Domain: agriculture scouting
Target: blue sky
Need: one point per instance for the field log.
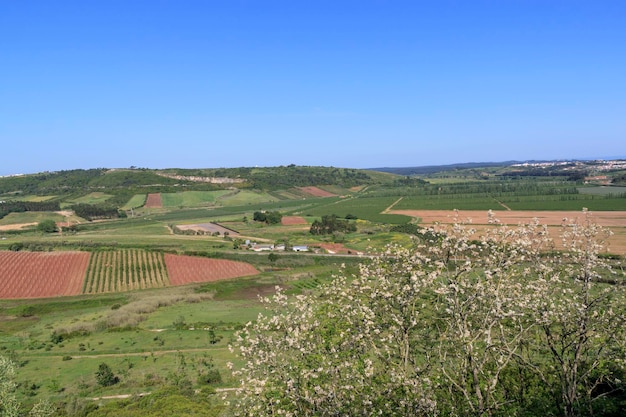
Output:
(86, 84)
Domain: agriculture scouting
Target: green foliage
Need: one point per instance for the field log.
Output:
(105, 376)
(330, 224)
(92, 212)
(7, 207)
(47, 226)
(269, 217)
(9, 404)
(165, 402)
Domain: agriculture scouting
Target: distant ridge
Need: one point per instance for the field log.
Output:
(431, 169)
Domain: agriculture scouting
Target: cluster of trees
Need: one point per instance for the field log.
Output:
(49, 182)
(91, 212)
(330, 224)
(269, 217)
(7, 207)
(298, 176)
(619, 179)
(453, 326)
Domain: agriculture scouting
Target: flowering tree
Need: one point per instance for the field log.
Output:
(9, 405)
(581, 322)
(456, 325)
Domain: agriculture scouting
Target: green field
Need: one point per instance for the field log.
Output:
(92, 198)
(136, 201)
(191, 198)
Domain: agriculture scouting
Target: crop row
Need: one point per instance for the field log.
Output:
(125, 270)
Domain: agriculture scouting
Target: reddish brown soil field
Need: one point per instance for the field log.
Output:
(208, 228)
(292, 220)
(550, 218)
(335, 248)
(316, 192)
(613, 220)
(187, 269)
(41, 274)
(153, 201)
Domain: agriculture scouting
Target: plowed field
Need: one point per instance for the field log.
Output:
(41, 274)
(614, 220)
(316, 192)
(51, 274)
(154, 201)
(187, 269)
(292, 220)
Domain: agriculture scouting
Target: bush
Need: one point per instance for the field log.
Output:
(105, 377)
(47, 226)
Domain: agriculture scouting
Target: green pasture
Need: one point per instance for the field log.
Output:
(143, 356)
(448, 202)
(567, 202)
(92, 198)
(30, 217)
(136, 201)
(603, 190)
(29, 198)
(221, 314)
(246, 197)
(191, 198)
(367, 208)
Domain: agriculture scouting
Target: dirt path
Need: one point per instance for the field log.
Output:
(502, 204)
(388, 209)
(122, 355)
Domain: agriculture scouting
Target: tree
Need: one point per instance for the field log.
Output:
(581, 322)
(330, 224)
(269, 217)
(455, 325)
(105, 377)
(47, 226)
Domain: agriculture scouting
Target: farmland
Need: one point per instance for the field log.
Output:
(129, 289)
(125, 270)
(34, 275)
(52, 274)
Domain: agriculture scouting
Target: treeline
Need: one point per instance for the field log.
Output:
(571, 175)
(297, 176)
(92, 212)
(273, 178)
(269, 217)
(330, 224)
(486, 189)
(121, 181)
(7, 207)
(49, 182)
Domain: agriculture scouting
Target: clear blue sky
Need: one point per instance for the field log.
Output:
(115, 83)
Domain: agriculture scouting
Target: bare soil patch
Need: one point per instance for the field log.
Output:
(335, 248)
(292, 220)
(550, 218)
(187, 269)
(41, 274)
(154, 201)
(613, 220)
(316, 192)
(208, 228)
(16, 226)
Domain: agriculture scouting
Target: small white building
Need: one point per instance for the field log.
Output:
(260, 248)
